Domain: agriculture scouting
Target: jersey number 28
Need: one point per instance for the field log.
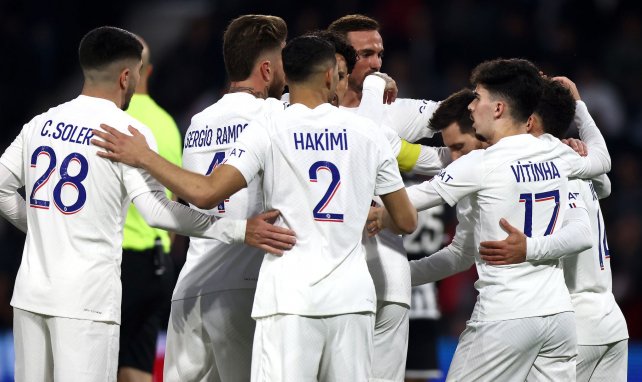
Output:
(65, 180)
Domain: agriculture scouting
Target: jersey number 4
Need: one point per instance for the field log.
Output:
(335, 182)
(528, 199)
(65, 180)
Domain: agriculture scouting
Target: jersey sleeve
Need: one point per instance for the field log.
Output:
(138, 181)
(12, 205)
(457, 257)
(461, 178)
(431, 160)
(598, 153)
(410, 117)
(388, 176)
(13, 159)
(371, 105)
(250, 150)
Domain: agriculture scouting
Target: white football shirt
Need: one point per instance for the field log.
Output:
(385, 252)
(212, 265)
(320, 167)
(76, 204)
(525, 180)
(588, 278)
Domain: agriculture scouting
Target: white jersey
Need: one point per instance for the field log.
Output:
(386, 255)
(525, 180)
(77, 203)
(588, 278)
(321, 168)
(212, 265)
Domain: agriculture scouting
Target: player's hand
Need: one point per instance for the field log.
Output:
(128, 149)
(374, 224)
(511, 250)
(260, 232)
(570, 85)
(390, 91)
(577, 145)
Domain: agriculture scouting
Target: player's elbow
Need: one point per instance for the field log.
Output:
(204, 201)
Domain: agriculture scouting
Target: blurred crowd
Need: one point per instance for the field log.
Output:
(430, 48)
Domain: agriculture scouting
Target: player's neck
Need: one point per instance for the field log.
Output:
(351, 98)
(507, 129)
(101, 92)
(308, 96)
(250, 87)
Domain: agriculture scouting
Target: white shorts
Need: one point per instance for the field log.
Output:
(291, 348)
(531, 349)
(51, 348)
(390, 342)
(603, 362)
(209, 338)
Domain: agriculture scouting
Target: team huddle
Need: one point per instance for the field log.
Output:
(296, 269)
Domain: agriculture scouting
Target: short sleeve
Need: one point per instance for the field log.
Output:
(250, 150)
(461, 178)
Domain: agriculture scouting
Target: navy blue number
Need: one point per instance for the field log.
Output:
(47, 151)
(65, 180)
(527, 199)
(332, 190)
(74, 181)
(219, 159)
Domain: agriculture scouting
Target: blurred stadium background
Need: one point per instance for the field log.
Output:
(431, 46)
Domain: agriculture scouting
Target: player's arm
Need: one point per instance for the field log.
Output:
(421, 196)
(12, 205)
(598, 160)
(203, 191)
(457, 257)
(402, 216)
(573, 237)
(160, 212)
(602, 186)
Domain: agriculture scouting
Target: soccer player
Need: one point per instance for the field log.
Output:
(210, 329)
(305, 154)
(147, 272)
(528, 299)
(67, 294)
(602, 335)
(387, 260)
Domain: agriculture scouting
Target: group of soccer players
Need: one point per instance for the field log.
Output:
(330, 299)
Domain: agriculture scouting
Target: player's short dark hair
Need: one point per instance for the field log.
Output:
(454, 109)
(246, 38)
(556, 108)
(306, 55)
(353, 23)
(515, 80)
(341, 46)
(105, 45)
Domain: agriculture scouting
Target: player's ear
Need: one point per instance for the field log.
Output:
(124, 78)
(500, 107)
(265, 68)
(530, 123)
(328, 75)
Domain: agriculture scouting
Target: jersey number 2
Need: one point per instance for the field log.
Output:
(335, 182)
